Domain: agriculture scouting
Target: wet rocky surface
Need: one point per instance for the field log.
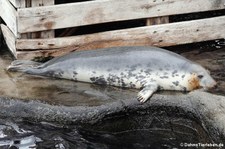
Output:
(50, 113)
(165, 122)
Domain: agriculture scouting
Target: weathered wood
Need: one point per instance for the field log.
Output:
(25, 4)
(43, 34)
(43, 53)
(54, 17)
(17, 3)
(10, 39)
(9, 15)
(156, 35)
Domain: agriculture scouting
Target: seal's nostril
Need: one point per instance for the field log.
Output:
(215, 86)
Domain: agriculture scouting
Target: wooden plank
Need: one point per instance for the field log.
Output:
(29, 55)
(14, 2)
(9, 15)
(156, 35)
(37, 3)
(10, 39)
(73, 14)
(18, 3)
(43, 34)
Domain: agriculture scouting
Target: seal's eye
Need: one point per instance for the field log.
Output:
(200, 76)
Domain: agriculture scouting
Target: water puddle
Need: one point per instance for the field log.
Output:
(53, 91)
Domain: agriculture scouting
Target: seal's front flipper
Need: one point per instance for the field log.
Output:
(147, 92)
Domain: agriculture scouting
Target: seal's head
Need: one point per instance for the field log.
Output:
(200, 78)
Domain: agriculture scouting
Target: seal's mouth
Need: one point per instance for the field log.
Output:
(211, 87)
(206, 83)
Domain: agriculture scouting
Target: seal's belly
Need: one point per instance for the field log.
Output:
(167, 80)
(114, 78)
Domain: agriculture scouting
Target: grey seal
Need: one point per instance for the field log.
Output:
(146, 68)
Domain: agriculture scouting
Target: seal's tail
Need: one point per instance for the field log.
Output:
(23, 66)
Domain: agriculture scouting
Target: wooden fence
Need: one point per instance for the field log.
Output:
(30, 24)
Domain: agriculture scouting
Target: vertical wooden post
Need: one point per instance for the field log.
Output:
(24, 4)
(158, 20)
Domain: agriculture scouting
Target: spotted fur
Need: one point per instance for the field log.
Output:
(149, 68)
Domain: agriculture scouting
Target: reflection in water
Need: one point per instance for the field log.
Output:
(55, 91)
(20, 143)
(14, 137)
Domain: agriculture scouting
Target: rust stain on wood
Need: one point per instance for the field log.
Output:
(49, 25)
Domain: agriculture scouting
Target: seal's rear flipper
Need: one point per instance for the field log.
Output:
(147, 92)
(22, 65)
(25, 62)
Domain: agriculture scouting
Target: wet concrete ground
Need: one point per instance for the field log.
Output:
(50, 90)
